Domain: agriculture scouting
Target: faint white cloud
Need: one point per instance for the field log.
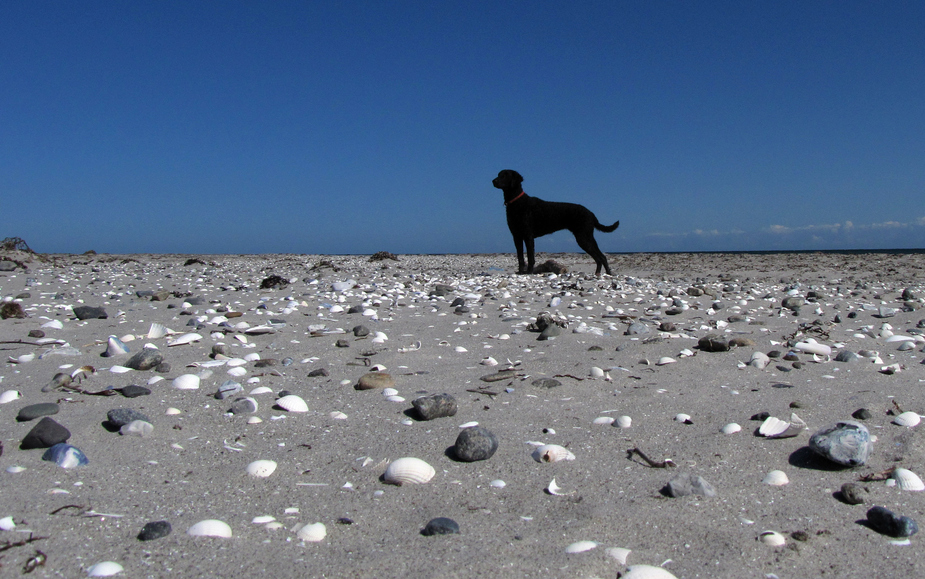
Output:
(888, 225)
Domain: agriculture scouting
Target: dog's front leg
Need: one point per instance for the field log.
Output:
(530, 256)
(521, 265)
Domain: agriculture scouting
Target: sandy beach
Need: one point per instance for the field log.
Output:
(630, 345)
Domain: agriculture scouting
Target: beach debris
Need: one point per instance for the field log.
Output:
(846, 443)
(667, 463)
(65, 455)
(685, 484)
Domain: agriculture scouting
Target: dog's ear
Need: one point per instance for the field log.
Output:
(515, 177)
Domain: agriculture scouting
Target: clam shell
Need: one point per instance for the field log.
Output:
(581, 547)
(665, 360)
(9, 396)
(907, 419)
(772, 538)
(907, 480)
(173, 411)
(603, 420)
(261, 468)
(313, 533)
(292, 403)
(596, 372)
(186, 382)
(104, 569)
(261, 390)
(185, 339)
(254, 420)
(776, 478)
(646, 572)
(619, 553)
(263, 519)
(552, 453)
(682, 417)
(730, 428)
(210, 528)
(498, 484)
(623, 421)
(408, 470)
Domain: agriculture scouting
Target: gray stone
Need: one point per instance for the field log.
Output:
(228, 389)
(244, 406)
(145, 359)
(885, 312)
(889, 523)
(441, 526)
(546, 383)
(140, 428)
(550, 331)
(853, 493)
(846, 443)
(360, 331)
(689, 484)
(33, 411)
(90, 313)
(122, 416)
(133, 391)
(792, 302)
(637, 329)
(476, 443)
(7, 265)
(45, 434)
(436, 406)
(713, 343)
(847, 356)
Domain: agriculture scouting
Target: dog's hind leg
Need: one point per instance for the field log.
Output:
(589, 245)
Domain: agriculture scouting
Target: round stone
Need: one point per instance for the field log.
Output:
(889, 523)
(846, 443)
(637, 329)
(440, 526)
(375, 380)
(90, 313)
(133, 391)
(33, 411)
(154, 530)
(119, 417)
(436, 406)
(853, 493)
(145, 359)
(476, 443)
(360, 331)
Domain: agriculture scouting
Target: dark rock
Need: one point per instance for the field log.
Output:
(637, 329)
(861, 414)
(274, 282)
(45, 434)
(846, 443)
(441, 290)
(162, 368)
(476, 443)
(320, 372)
(119, 417)
(266, 363)
(33, 411)
(145, 359)
(36, 334)
(460, 310)
(550, 266)
(160, 296)
(889, 523)
(853, 493)
(342, 343)
(667, 327)
(713, 343)
(441, 526)
(360, 331)
(847, 356)
(741, 342)
(689, 484)
(90, 313)
(762, 416)
(436, 406)
(791, 357)
(134, 391)
(11, 310)
(154, 530)
(458, 302)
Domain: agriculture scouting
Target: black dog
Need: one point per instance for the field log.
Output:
(530, 217)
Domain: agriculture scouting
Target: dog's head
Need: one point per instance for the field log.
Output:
(507, 179)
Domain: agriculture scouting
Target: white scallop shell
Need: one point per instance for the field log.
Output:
(157, 331)
(292, 403)
(646, 572)
(210, 528)
(185, 339)
(618, 553)
(186, 382)
(313, 533)
(104, 569)
(408, 470)
(237, 372)
(623, 421)
(552, 453)
(603, 420)
(261, 468)
(386, 392)
(9, 396)
(489, 361)
(773, 538)
(730, 428)
(907, 419)
(261, 390)
(907, 480)
(776, 478)
(581, 547)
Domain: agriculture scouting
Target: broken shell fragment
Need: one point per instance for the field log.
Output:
(620, 554)
(210, 528)
(646, 572)
(774, 427)
(408, 470)
(581, 547)
(552, 453)
(664, 360)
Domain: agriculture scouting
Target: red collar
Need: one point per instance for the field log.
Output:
(521, 194)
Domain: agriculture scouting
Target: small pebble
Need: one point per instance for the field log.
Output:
(476, 443)
(441, 526)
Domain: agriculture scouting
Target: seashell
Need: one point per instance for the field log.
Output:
(9, 396)
(603, 420)
(596, 372)
(623, 421)
(552, 453)
(15, 469)
(907, 419)
(104, 569)
(120, 370)
(54, 325)
(899, 338)
(25, 358)
(237, 371)
(489, 361)
(263, 519)
(241, 338)
(210, 528)
(252, 357)
(759, 360)
(730, 428)
(776, 478)
(498, 484)
(581, 547)
(261, 390)
(685, 418)
(185, 339)
(258, 330)
(776, 428)
(907, 480)
(115, 347)
(186, 382)
(772, 538)
(157, 331)
(618, 553)
(65, 455)
(173, 411)
(386, 392)
(554, 489)
(646, 572)
(261, 468)
(468, 424)
(313, 533)
(412, 348)
(379, 338)
(254, 420)
(460, 349)
(664, 360)
(7, 524)
(813, 348)
(292, 403)
(232, 362)
(408, 470)
(338, 415)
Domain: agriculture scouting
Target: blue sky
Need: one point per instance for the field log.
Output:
(356, 127)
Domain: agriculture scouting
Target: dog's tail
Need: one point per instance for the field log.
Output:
(606, 228)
